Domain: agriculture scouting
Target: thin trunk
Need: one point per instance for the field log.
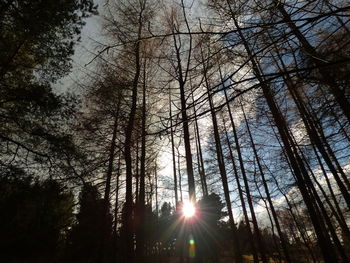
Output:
(137, 174)
(156, 186)
(200, 159)
(106, 197)
(261, 246)
(240, 192)
(319, 60)
(128, 218)
(296, 162)
(342, 220)
(270, 219)
(199, 169)
(316, 140)
(140, 205)
(267, 191)
(245, 213)
(179, 172)
(150, 193)
(116, 210)
(182, 78)
(173, 150)
(315, 133)
(223, 174)
(306, 240)
(186, 136)
(331, 109)
(116, 205)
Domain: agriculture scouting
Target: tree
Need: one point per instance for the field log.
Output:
(35, 218)
(45, 50)
(33, 57)
(86, 241)
(181, 68)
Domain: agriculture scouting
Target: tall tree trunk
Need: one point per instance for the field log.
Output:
(140, 206)
(128, 218)
(266, 188)
(184, 119)
(310, 123)
(222, 169)
(314, 131)
(338, 211)
(305, 239)
(316, 140)
(115, 248)
(173, 150)
(319, 60)
(296, 162)
(182, 77)
(200, 159)
(106, 198)
(112, 147)
(156, 186)
(137, 172)
(240, 191)
(179, 172)
(116, 205)
(274, 236)
(261, 246)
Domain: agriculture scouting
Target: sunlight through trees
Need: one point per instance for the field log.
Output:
(191, 131)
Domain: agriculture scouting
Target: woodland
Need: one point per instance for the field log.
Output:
(196, 131)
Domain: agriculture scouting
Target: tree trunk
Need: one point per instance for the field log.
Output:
(319, 60)
(296, 162)
(267, 192)
(128, 218)
(186, 136)
(240, 192)
(223, 174)
(200, 159)
(173, 150)
(140, 205)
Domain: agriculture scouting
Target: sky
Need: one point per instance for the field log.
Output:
(84, 52)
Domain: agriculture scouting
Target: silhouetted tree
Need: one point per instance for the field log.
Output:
(35, 218)
(86, 236)
(37, 41)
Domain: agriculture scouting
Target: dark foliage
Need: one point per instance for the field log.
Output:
(35, 218)
(36, 42)
(86, 240)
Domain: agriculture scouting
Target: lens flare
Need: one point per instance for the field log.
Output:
(191, 247)
(188, 209)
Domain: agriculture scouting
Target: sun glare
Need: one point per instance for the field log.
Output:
(188, 209)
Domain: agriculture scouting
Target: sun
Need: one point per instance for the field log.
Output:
(188, 209)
